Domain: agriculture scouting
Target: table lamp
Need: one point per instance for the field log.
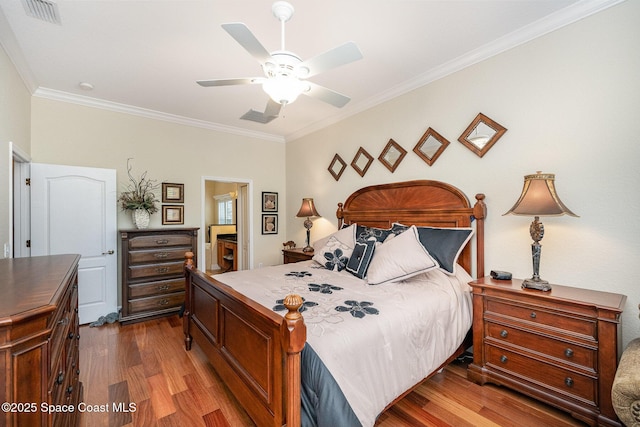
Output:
(538, 198)
(307, 210)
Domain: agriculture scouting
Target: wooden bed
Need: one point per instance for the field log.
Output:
(256, 351)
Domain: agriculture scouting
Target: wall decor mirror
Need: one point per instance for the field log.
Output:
(481, 134)
(362, 161)
(336, 167)
(392, 155)
(430, 146)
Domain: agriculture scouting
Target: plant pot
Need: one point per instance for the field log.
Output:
(141, 218)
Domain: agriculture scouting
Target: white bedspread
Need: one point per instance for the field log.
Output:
(374, 351)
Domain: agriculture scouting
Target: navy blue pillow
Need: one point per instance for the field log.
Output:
(361, 258)
(364, 233)
(444, 244)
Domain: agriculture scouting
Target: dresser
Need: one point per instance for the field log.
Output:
(227, 253)
(152, 269)
(39, 337)
(560, 347)
(296, 255)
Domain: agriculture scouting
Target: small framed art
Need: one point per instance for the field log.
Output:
(172, 193)
(269, 224)
(269, 202)
(172, 214)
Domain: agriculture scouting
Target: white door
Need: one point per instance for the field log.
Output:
(73, 210)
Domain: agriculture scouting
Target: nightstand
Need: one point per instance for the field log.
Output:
(296, 255)
(560, 347)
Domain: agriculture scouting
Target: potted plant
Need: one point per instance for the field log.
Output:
(139, 198)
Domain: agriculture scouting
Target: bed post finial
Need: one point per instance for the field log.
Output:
(188, 261)
(480, 213)
(340, 215)
(295, 337)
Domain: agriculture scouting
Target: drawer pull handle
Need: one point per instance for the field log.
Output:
(162, 242)
(568, 352)
(63, 321)
(503, 359)
(504, 333)
(163, 287)
(161, 255)
(71, 335)
(60, 378)
(568, 381)
(533, 315)
(70, 389)
(163, 301)
(162, 269)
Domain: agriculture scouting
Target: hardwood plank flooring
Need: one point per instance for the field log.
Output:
(140, 375)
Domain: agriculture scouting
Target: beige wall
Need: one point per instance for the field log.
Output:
(15, 116)
(69, 134)
(570, 101)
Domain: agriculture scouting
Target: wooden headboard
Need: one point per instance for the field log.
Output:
(421, 203)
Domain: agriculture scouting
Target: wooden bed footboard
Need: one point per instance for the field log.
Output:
(255, 351)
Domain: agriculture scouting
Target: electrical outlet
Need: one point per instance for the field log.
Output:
(7, 250)
(259, 265)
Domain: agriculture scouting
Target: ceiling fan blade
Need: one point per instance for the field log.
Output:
(272, 109)
(327, 95)
(335, 57)
(231, 82)
(245, 37)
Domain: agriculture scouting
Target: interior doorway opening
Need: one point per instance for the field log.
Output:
(226, 245)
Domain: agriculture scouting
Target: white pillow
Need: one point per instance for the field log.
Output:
(334, 255)
(345, 235)
(399, 258)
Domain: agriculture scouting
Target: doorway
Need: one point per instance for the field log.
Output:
(226, 225)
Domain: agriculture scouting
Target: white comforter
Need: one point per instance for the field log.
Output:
(376, 351)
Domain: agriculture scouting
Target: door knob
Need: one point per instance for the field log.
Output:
(110, 252)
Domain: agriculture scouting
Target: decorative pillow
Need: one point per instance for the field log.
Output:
(445, 244)
(334, 255)
(364, 232)
(345, 235)
(400, 258)
(361, 258)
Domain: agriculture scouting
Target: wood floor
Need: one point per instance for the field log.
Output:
(140, 375)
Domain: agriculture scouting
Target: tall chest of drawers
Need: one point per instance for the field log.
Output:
(39, 337)
(560, 347)
(152, 263)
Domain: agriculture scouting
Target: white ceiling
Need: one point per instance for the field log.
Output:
(143, 57)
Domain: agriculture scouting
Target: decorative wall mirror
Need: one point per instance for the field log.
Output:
(392, 155)
(336, 167)
(362, 161)
(430, 146)
(481, 134)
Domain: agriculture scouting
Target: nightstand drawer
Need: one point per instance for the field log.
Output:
(157, 287)
(156, 303)
(544, 346)
(542, 316)
(160, 240)
(158, 255)
(165, 269)
(566, 382)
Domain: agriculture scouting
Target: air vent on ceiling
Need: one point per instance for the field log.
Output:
(257, 116)
(45, 10)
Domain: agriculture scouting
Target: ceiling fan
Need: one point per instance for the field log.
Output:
(285, 73)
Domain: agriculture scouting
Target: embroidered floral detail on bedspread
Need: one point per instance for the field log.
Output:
(299, 274)
(358, 309)
(323, 288)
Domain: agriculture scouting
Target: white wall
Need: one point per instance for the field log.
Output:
(70, 134)
(570, 101)
(14, 129)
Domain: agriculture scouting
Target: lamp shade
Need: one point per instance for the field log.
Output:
(308, 209)
(539, 197)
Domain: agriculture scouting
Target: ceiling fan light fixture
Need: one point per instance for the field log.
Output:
(284, 89)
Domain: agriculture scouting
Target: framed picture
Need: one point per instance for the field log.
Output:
(269, 224)
(269, 202)
(172, 214)
(172, 193)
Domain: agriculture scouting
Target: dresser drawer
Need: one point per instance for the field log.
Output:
(160, 240)
(158, 255)
(564, 381)
(545, 346)
(160, 302)
(542, 316)
(146, 289)
(164, 269)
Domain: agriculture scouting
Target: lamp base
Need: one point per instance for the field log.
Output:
(307, 249)
(537, 284)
